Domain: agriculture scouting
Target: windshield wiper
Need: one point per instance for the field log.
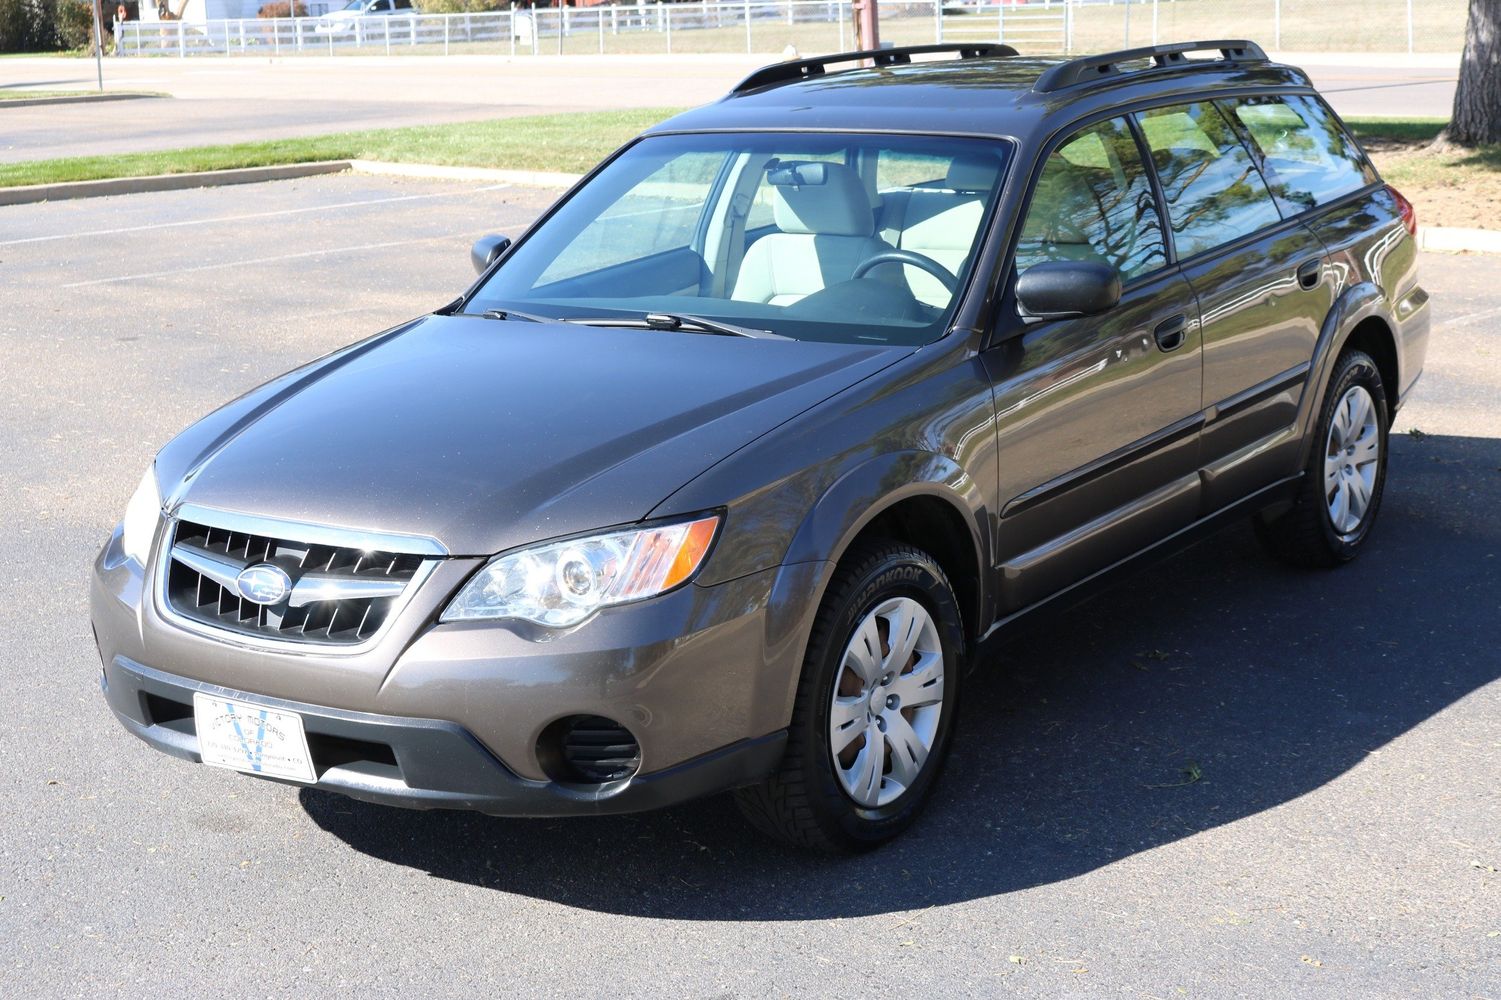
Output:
(651, 321)
(681, 321)
(513, 314)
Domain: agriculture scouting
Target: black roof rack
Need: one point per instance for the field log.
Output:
(1092, 68)
(803, 69)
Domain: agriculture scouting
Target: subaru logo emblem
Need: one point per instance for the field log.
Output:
(263, 583)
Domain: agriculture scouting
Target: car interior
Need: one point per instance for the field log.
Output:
(861, 235)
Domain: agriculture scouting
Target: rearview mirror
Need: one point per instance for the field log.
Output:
(486, 249)
(1058, 289)
(798, 174)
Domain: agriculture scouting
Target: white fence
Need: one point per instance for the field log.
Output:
(724, 26)
(813, 26)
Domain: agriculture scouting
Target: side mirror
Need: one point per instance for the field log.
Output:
(486, 249)
(1058, 289)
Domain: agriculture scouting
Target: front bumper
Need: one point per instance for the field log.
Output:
(422, 763)
(453, 715)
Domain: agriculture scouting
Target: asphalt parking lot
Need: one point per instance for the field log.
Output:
(235, 100)
(1342, 836)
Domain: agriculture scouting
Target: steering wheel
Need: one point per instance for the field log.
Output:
(944, 276)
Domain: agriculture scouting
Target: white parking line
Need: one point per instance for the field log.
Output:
(253, 215)
(1473, 317)
(254, 260)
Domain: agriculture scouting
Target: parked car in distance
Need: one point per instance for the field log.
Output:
(342, 21)
(724, 472)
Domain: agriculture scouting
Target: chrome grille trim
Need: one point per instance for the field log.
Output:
(316, 534)
(347, 586)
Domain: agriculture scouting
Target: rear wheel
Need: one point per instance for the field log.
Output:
(1342, 485)
(874, 709)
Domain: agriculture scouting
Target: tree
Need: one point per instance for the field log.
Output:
(1477, 99)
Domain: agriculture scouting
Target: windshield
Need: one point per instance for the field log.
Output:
(356, 5)
(844, 238)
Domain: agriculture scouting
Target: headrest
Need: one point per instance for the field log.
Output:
(973, 172)
(822, 199)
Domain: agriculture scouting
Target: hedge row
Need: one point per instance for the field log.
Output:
(46, 25)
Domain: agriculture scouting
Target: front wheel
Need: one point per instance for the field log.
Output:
(1346, 473)
(874, 709)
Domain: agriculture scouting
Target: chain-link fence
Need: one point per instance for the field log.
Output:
(814, 26)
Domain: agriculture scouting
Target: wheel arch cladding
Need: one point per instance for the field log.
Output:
(1374, 336)
(921, 498)
(1358, 318)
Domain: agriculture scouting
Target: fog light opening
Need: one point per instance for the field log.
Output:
(588, 750)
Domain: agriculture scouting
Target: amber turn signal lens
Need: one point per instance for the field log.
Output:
(691, 551)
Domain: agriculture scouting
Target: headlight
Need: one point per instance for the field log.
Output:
(141, 516)
(562, 583)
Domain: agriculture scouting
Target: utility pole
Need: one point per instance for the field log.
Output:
(867, 25)
(98, 45)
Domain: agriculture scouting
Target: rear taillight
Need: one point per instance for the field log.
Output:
(1405, 209)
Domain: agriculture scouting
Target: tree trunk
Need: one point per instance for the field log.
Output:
(1477, 99)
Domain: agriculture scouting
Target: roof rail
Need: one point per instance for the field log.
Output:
(803, 69)
(1092, 68)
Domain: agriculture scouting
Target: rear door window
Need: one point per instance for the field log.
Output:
(1214, 191)
(1309, 161)
(1094, 202)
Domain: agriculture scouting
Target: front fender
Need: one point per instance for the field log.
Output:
(845, 509)
(862, 493)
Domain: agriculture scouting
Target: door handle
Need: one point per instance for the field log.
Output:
(1171, 333)
(1310, 273)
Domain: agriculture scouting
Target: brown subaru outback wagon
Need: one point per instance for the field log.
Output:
(723, 472)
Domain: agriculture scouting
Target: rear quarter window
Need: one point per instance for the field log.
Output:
(1309, 160)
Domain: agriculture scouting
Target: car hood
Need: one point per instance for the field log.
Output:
(489, 434)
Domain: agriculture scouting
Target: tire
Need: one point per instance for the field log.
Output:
(868, 792)
(1313, 533)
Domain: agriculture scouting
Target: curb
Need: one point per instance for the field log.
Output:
(34, 102)
(525, 178)
(1458, 240)
(165, 182)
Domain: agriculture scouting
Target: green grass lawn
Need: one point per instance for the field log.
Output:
(19, 95)
(1461, 188)
(23, 95)
(571, 143)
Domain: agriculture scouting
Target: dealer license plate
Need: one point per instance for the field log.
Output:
(252, 738)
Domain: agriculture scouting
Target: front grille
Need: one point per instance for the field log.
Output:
(598, 750)
(339, 595)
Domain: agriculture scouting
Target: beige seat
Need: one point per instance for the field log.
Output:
(825, 232)
(939, 222)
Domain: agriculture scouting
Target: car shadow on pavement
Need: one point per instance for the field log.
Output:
(1209, 688)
